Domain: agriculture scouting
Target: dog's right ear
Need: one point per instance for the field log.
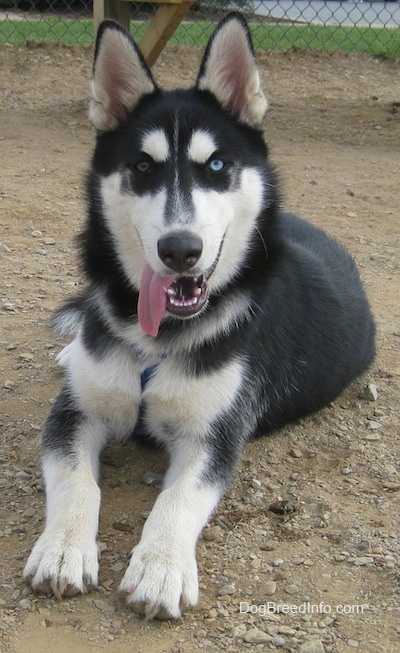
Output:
(120, 77)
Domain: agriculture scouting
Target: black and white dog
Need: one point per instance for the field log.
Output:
(210, 316)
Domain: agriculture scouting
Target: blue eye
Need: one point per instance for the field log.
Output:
(216, 165)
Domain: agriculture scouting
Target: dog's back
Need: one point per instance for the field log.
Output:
(314, 333)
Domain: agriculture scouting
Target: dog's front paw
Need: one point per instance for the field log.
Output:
(63, 564)
(161, 580)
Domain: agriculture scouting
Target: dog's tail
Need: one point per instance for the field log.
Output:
(67, 319)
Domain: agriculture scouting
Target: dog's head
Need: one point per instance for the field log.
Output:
(180, 174)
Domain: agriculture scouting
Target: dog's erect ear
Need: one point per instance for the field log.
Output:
(229, 71)
(120, 77)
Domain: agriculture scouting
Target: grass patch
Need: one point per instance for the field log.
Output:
(368, 40)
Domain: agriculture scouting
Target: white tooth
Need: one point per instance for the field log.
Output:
(197, 292)
(169, 292)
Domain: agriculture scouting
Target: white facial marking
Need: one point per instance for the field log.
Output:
(155, 144)
(231, 216)
(201, 146)
(135, 223)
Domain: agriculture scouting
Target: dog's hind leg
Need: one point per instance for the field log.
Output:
(65, 559)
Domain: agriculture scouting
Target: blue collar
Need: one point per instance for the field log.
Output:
(149, 372)
(146, 375)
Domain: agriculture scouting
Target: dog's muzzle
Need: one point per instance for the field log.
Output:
(182, 295)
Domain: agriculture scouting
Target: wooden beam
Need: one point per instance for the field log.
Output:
(164, 23)
(167, 18)
(115, 9)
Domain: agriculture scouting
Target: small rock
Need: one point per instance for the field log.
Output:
(103, 605)
(269, 588)
(25, 604)
(328, 621)
(212, 533)
(312, 646)
(257, 636)
(117, 567)
(372, 437)
(283, 507)
(379, 258)
(388, 485)
(26, 356)
(36, 233)
(4, 248)
(47, 241)
(295, 453)
(124, 527)
(239, 631)
(8, 384)
(364, 545)
(152, 478)
(351, 214)
(373, 425)
(226, 590)
(369, 393)
(350, 192)
(353, 643)
(286, 630)
(291, 588)
(278, 641)
(363, 560)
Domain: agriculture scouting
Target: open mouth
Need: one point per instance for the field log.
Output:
(186, 295)
(180, 295)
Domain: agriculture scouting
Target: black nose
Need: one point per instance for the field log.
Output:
(180, 251)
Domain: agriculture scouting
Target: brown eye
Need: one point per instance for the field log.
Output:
(143, 167)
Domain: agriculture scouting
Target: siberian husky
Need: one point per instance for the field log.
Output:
(211, 316)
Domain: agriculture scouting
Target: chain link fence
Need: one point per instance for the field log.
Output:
(369, 26)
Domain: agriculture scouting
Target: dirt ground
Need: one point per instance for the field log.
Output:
(322, 578)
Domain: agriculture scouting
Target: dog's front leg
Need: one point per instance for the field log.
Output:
(195, 419)
(64, 560)
(161, 578)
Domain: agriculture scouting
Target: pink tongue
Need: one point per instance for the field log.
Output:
(152, 299)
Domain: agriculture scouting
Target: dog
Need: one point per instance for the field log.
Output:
(211, 316)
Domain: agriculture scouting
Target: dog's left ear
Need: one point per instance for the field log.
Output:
(229, 71)
(120, 77)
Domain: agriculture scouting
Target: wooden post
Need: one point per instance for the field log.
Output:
(115, 9)
(167, 18)
(165, 21)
